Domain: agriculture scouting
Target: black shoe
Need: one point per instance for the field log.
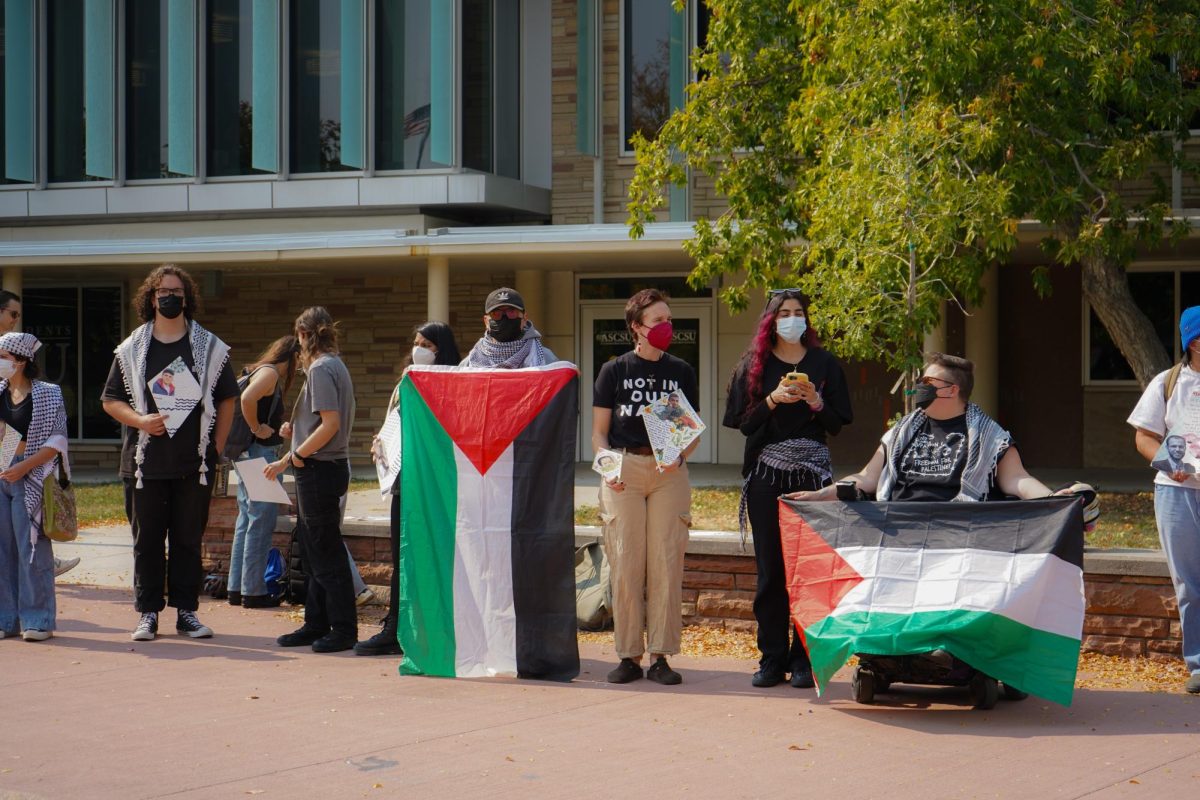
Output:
(381, 644)
(766, 678)
(235, 598)
(301, 637)
(333, 642)
(660, 672)
(188, 624)
(802, 678)
(628, 670)
(260, 601)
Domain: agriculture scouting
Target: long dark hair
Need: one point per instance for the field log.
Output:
(143, 299)
(754, 359)
(285, 348)
(320, 331)
(440, 334)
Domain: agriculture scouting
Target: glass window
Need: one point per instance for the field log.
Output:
(477, 76)
(16, 91)
(491, 86)
(647, 80)
(159, 89)
(79, 40)
(320, 96)
(243, 87)
(78, 328)
(1154, 293)
(404, 89)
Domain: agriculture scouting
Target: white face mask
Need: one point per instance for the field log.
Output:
(7, 368)
(790, 329)
(423, 355)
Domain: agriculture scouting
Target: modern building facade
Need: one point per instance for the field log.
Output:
(395, 160)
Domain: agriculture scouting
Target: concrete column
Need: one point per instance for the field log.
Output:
(12, 280)
(935, 340)
(531, 284)
(558, 324)
(983, 343)
(438, 281)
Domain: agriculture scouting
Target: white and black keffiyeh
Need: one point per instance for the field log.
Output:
(986, 442)
(789, 465)
(209, 354)
(47, 428)
(528, 351)
(20, 344)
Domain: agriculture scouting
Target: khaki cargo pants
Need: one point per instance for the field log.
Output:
(645, 535)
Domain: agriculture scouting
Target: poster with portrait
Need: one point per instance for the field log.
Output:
(176, 392)
(672, 424)
(608, 464)
(387, 463)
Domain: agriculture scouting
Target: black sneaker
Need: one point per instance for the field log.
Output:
(301, 637)
(334, 642)
(381, 644)
(802, 678)
(628, 670)
(147, 627)
(766, 678)
(235, 598)
(188, 624)
(660, 672)
(261, 601)
(1193, 684)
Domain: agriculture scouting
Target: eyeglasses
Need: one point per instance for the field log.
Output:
(928, 380)
(510, 312)
(163, 294)
(15, 314)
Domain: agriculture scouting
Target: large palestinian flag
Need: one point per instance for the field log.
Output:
(487, 579)
(999, 585)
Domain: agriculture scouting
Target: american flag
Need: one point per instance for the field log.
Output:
(416, 121)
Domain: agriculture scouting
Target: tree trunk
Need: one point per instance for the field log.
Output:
(1106, 287)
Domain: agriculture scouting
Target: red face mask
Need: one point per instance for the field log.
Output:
(659, 336)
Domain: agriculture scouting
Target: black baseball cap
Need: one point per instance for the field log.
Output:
(503, 297)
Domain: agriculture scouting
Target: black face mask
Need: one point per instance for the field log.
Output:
(170, 306)
(505, 329)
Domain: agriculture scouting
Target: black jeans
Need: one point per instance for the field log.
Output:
(170, 512)
(394, 607)
(771, 607)
(329, 600)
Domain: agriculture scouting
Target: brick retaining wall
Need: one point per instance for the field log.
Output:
(1131, 609)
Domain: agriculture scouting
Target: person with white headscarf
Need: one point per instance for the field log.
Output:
(33, 442)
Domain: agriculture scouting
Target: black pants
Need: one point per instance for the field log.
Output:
(329, 600)
(771, 607)
(394, 608)
(167, 515)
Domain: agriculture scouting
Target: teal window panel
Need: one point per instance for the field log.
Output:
(265, 86)
(19, 109)
(353, 67)
(441, 78)
(98, 43)
(181, 87)
(585, 78)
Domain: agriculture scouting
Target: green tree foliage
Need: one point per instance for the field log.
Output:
(880, 153)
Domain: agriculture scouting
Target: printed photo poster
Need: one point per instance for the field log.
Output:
(176, 392)
(9, 440)
(1179, 454)
(672, 424)
(387, 468)
(608, 464)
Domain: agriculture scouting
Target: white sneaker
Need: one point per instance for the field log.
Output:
(147, 627)
(364, 597)
(35, 635)
(64, 565)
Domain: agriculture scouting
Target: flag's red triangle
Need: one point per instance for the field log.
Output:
(817, 576)
(484, 411)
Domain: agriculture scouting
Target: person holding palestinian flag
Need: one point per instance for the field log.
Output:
(509, 341)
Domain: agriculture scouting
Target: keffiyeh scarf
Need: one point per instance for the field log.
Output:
(788, 465)
(47, 428)
(208, 353)
(528, 351)
(986, 441)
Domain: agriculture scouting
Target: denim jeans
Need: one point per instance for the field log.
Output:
(26, 570)
(1177, 509)
(252, 534)
(329, 601)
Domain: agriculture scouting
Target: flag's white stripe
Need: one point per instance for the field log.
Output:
(485, 622)
(1036, 589)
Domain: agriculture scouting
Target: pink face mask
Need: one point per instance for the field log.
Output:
(659, 336)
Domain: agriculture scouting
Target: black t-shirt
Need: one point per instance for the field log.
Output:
(274, 418)
(17, 415)
(762, 426)
(167, 457)
(628, 382)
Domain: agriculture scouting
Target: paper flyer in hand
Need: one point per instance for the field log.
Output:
(672, 424)
(608, 464)
(259, 487)
(176, 392)
(387, 467)
(8, 445)
(1178, 454)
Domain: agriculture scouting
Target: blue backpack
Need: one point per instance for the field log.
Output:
(274, 572)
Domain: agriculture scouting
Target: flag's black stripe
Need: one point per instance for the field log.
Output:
(543, 540)
(1053, 525)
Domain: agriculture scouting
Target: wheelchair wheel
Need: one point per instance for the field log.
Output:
(1012, 692)
(985, 692)
(862, 686)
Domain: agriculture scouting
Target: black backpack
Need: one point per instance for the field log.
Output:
(295, 580)
(240, 436)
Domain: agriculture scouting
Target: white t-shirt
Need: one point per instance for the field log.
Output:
(1179, 416)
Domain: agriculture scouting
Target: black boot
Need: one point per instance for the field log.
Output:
(235, 598)
(383, 643)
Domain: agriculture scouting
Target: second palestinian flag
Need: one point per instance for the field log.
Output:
(487, 582)
(999, 585)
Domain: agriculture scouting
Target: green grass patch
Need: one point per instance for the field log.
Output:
(1126, 520)
(100, 504)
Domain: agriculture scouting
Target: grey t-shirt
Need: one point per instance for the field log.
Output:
(327, 388)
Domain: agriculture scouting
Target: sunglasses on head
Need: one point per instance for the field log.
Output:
(509, 311)
(776, 292)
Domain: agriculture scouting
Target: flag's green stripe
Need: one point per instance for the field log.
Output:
(1032, 660)
(428, 514)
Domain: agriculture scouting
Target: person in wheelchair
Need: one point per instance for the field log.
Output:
(947, 449)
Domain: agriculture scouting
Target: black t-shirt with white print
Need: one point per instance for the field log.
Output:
(932, 465)
(629, 382)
